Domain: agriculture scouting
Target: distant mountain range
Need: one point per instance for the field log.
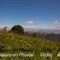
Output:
(43, 30)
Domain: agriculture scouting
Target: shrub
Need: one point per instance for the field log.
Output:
(34, 35)
(17, 29)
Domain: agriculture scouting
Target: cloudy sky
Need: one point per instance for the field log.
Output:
(30, 13)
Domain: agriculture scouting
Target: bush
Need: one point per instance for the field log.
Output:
(34, 34)
(17, 29)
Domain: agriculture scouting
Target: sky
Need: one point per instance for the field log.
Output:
(30, 13)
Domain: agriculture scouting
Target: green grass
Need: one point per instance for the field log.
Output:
(15, 43)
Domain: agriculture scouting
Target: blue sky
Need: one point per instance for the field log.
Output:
(30, 13)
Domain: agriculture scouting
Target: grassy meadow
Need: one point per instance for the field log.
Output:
(18, 43)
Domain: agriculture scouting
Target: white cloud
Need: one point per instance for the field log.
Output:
(30, 22)
(56, 22)
(33, 26)
(54, 28)
(56, 25)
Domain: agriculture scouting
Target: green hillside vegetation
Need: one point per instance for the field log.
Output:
(17, 43)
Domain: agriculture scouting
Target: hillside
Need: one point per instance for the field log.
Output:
(16, 43)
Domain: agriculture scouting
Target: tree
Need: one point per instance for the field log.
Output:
(5, 28)
(17, 29)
